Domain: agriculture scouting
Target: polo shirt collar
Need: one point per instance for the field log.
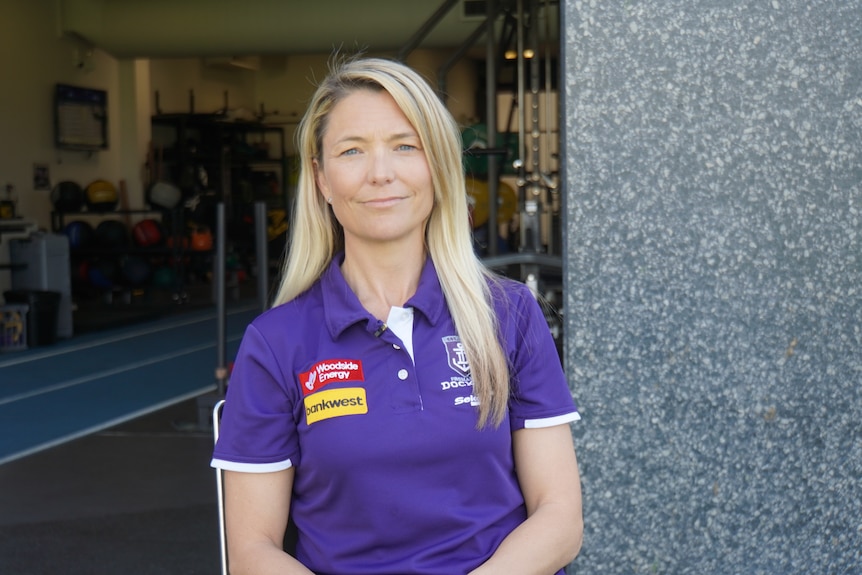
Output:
(341, 307)
(428, 298)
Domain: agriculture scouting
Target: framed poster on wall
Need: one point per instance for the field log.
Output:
(80, 118)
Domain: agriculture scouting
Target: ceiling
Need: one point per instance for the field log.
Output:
(185, 28)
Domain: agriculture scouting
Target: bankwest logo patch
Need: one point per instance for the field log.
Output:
(456, 355)
(325, 372)
(335, 403)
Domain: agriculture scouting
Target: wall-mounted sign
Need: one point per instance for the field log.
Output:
(80, 118)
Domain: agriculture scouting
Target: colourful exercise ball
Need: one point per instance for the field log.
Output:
(80, 234)
(164, 277)
(80, 273)
(147, 233)
(135, 270)
(67, 196)
(164, 195)
(101, 196)
(112, 234)
(102, 273)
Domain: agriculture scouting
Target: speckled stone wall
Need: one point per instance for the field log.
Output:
(713, 176)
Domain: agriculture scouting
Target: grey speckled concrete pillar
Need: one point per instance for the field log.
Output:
(713, 174)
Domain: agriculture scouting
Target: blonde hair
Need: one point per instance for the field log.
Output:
(316, 235)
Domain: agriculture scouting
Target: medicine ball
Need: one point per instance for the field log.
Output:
(135, 270)
(164, 195)
(67, 196)
(80, 234)
(101, 196)
(147, 233)
(112, 234)
(179, 250)
(101, 273)
(181, 245)
(80, 273)
(164, 277)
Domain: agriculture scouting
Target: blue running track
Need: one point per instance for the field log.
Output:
(51, 395)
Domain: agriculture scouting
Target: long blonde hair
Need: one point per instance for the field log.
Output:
(316, 235)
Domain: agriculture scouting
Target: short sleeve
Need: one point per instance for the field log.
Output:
(540, 395)
(258, 426)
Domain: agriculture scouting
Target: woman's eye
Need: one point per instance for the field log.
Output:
(350, 152)
(406, 147)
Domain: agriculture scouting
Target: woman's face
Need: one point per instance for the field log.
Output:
(374, 171)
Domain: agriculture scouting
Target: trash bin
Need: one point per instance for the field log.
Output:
(42, 315)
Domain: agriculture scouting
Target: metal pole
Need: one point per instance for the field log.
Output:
(221, 315)
(491, 125)
(443, 71)
(521, 82)
(537, 193)
(425, 29)
(527, 207)
(547, 179)
(261, 255)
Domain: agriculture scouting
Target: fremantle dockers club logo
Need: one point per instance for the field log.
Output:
(456, 355)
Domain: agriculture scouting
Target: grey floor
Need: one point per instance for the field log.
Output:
(137, 499)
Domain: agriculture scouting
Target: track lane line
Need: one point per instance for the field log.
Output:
(209, 316)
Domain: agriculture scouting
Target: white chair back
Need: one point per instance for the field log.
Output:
(220, 491)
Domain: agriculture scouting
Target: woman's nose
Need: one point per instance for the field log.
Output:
(381, 170)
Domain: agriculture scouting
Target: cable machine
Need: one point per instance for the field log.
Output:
(536, 256)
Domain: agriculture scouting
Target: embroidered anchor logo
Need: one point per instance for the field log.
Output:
(456, 355)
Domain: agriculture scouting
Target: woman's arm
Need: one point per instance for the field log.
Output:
(256, 511)
(551, 536)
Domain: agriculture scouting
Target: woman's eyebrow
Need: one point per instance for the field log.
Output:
(390, 138)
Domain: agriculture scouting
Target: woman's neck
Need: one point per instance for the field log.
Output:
(383, 278)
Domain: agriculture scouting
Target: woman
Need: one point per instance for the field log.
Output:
(403, 405)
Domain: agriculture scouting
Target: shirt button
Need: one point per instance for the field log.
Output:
(402, 374)
(396, 346)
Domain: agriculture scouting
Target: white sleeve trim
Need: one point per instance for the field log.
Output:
(551, 421)
(251, 467)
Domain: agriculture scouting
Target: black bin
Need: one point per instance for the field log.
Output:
(42, 316)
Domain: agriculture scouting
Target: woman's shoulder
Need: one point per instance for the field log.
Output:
(507, 291)
(295, 313)
(516, 306)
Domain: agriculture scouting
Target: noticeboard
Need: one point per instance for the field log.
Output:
(80, 118)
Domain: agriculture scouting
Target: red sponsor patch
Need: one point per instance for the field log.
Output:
(330, 371)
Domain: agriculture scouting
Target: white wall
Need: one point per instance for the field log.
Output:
(34, 57)
(187, 85)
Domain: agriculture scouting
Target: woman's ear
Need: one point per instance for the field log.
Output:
(320, 179)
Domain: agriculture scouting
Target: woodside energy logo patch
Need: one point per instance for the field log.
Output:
(330, 371)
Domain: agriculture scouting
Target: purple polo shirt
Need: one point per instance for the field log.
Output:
(392, 476)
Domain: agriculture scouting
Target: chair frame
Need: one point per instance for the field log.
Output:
(220, 491)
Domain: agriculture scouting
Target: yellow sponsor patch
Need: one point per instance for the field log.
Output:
(335, 403)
